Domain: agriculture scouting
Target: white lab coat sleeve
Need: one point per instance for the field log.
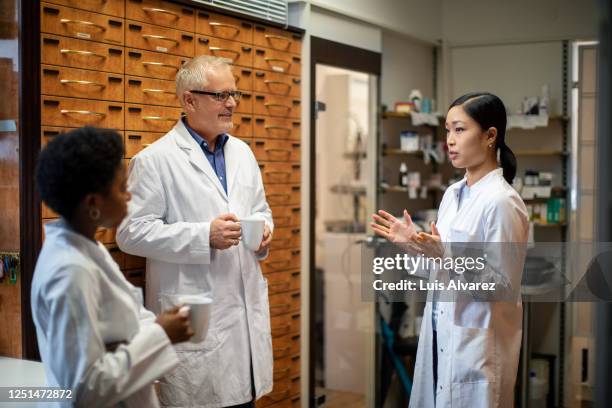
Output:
(144, 231)
(260, 206)
(80, 361)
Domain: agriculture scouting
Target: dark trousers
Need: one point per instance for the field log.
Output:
(435, 361)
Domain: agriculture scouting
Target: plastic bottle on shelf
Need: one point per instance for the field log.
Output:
(403, 175)
(537, 391)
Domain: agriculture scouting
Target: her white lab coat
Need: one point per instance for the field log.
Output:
(81, 302)
(478, 342)
(175, 196)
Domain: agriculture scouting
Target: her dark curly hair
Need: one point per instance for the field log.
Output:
(75, 164)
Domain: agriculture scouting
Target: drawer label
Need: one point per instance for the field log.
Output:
(278, 69)
(161, 49)
(87, 36)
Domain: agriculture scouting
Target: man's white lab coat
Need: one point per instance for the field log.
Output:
(175, 196)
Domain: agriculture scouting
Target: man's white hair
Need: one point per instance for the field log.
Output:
(194, 73)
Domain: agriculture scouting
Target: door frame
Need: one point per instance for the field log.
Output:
(338, 55)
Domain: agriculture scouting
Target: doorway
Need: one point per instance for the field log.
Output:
(344, 132)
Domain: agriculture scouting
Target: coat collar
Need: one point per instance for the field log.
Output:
(477, 187)
(197, 158)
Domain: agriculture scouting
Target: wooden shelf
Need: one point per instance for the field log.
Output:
(400, 152)
(541, 153)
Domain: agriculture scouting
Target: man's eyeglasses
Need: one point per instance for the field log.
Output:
(222, 96)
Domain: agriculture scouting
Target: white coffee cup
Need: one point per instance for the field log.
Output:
(199, 314)
(252, 232)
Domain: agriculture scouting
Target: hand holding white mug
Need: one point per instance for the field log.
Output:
(225, 231)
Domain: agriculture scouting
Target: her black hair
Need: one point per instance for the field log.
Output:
(489, 111)
(77, 163)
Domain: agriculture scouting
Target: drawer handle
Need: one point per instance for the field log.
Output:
(278, 263)
(159, 37)
(83, 22)
(277, 105)
(269, 82)
(281, 306)
(277, 60)
(236, 53)
(278, 37)
(283, 285)
(161, 11)
(284, 327)
(81, 82)
(279, 196)
(215, 24)
(276, 127)
(159, 64)
(80, 52)
(162, 118)
(278, 150)
(81, 112)
(149, 90)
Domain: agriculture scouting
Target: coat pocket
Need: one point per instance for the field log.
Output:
(474, 358)
(474, 395)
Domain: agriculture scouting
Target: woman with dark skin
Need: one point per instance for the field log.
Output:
(94, 336)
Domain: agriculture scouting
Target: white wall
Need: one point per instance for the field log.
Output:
(420, 19)
(406, 64)
(486, 21)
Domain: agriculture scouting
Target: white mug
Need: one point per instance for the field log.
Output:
(198, 307)
(252, 232)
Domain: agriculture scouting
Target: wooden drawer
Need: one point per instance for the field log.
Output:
(160, 39)
(136, 141)
(81, 83)
(72, 52)
(277, 84)
(277, 39)
(277, 172)
(276, 128)
(282, 368)
(283, 194)
(152, 64)
(71, 22)
(136, 277)
(134, 262)
(288, 323)
(277, 61)
(285, 216)
(237, 53)
(106, 235)
(47, 133)
(280, 392)
(243, 77)
(150, 91)
(162, 13)
(114, 8)
(69, 112)
(243, 125)
(118, 256)
(279, 282)
(246, 104)
(286, 238)
(281, 260)
(288, 345)
(295, 388)
(282, 303)
(226, 27)
(274, 105)
(293, 402)
(276, 150)
(150, 118)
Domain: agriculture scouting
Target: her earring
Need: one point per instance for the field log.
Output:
(94, 213)
(490, 145)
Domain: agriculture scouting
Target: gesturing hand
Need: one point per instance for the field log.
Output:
(225, 231)
(393, 229)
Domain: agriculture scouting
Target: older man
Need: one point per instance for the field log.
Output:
(189, 191)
